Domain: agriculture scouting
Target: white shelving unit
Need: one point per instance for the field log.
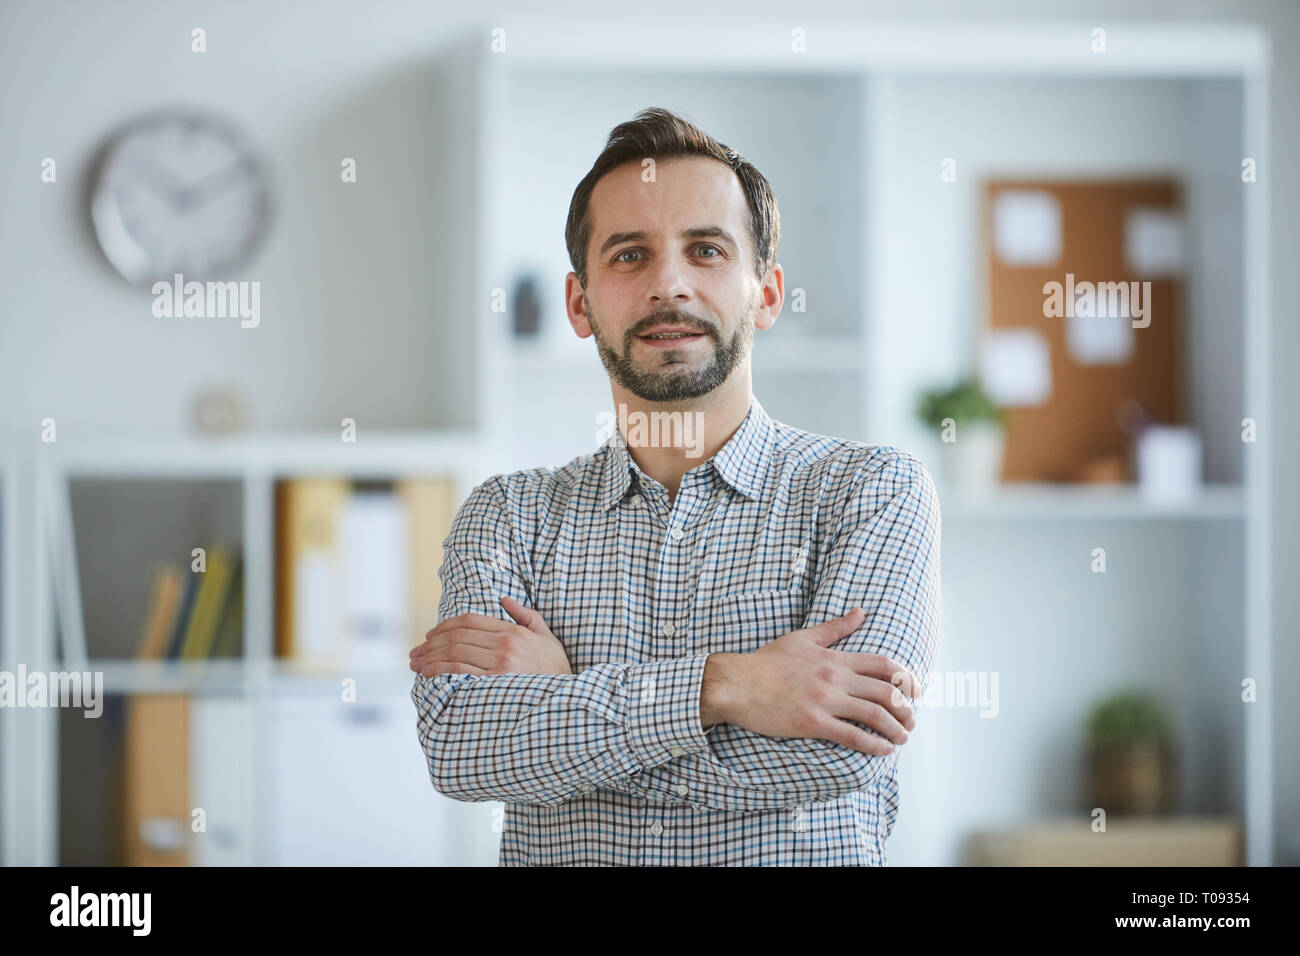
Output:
(876, 328)
(1034, 501)
(250, 467)
(833, 371)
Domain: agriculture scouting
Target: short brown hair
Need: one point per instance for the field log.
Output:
(660, 134)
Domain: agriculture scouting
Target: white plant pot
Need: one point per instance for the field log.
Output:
(973, 463)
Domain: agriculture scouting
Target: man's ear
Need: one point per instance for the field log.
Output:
(771, 297)
(576, 305)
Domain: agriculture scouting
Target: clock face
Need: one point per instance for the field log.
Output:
(179, 193)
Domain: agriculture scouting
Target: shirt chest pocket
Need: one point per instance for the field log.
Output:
(742, 623)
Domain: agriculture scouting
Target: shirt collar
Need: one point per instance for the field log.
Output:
(742, 462)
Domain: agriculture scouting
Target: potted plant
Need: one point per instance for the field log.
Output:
(971, 433)
(1129, 752)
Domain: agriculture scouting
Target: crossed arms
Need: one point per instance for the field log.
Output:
(546, 738)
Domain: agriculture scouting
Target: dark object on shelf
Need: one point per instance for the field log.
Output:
(528, 307)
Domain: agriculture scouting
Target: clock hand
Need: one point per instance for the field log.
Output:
(162, 182)
(212, 184)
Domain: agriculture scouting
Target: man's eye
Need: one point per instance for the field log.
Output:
(619, 257)
(714, 248)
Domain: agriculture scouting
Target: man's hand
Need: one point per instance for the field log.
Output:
(478, 644)
(796, 686)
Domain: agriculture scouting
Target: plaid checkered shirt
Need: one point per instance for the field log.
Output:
(781, 529)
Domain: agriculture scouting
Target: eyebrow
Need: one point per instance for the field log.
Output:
(698, 232)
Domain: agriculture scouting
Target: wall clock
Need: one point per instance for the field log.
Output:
(179, 191)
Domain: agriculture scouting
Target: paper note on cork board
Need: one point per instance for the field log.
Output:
(1015, 367)
(1027, 227)
(1092, 368)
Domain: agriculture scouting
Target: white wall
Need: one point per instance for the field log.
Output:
(359, 283)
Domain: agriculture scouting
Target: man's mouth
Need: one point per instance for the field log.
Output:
(668, 337)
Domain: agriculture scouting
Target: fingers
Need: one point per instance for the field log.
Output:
(828, 632)
(873, 715)
(467, 623)
(487, 658)
(491, 640)
(477, 622)
(430, 668)
(882, 668)
(855, 738)
(521, 614)
(886, 695)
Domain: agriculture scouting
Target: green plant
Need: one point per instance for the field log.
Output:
(1127, 719)
(964, 402)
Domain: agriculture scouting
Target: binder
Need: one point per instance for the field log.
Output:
(374, 532)
(156, 803)
(230, 633)
(309, 575)
(214, 589)
(218, 737)
(430, 509)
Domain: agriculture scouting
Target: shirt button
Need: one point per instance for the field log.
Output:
(676, 751)
(677, 534)
(657, 829)
(634, 501)
(586, 788)
(670, 629)
(683, 789)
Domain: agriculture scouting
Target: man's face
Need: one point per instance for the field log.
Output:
(675, 252)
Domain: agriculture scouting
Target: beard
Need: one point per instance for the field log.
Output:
(651, 378)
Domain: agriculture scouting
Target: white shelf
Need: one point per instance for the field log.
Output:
(169, 677)
(378, 452)
(289, 678)
(1045, 501)
(1036, 49)
(227, 675)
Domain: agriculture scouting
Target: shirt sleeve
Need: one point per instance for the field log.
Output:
(541, 738)
(884, 557)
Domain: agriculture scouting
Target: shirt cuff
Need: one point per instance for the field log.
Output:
(663, 708)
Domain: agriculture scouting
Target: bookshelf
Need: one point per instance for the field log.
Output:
(849, 365)
(193, 491)
(1026, 501)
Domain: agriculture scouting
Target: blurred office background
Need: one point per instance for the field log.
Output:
(1118, 535)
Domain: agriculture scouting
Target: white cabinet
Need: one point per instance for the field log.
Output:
(348, 785)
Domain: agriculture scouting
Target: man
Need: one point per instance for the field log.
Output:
(692, 652)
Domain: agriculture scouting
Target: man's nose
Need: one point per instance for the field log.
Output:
(668, 282)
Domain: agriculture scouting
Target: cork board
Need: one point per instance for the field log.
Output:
(1077, 426)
